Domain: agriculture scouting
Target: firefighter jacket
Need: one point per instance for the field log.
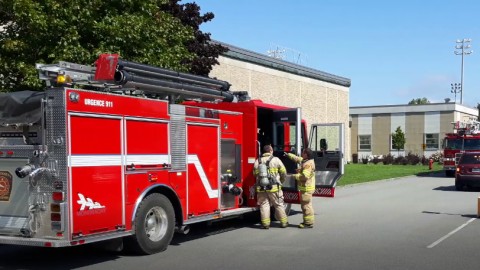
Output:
(275, 167)
(306, 175)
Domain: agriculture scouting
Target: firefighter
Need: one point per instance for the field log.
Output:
(305, 178)
(270, 194)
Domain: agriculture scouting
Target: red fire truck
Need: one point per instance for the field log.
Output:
(465, 138)
(108, 152)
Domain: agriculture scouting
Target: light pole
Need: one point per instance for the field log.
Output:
(456, 88)
(462, 45)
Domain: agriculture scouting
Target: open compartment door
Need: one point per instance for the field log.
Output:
(328, 144)
(288, 136)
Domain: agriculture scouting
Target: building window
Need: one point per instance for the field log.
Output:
(432, 141)
(364, 142)
(391, 144)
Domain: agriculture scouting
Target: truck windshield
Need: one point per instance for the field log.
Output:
(462, 144)
(471, 144)
(453, 144)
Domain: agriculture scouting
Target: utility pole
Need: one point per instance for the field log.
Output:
(462, 45)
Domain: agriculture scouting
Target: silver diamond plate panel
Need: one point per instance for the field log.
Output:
(56, 143)
(178, 140)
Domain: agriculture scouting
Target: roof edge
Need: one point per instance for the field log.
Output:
(263, 60)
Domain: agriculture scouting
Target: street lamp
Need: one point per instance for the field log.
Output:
(462, 45)
(456, 88)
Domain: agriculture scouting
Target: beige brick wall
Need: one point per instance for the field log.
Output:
(414, 133)
(446, 119)
(321, 102)
(380, 134)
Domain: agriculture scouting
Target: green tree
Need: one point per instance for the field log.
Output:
(398, 139)
(156, 32)
(419, 101)
(205, 52)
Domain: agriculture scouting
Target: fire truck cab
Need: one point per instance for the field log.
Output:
(108, 152)
(465, 138)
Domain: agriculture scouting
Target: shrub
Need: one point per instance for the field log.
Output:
(437, 157)
(412, 159)
(364, 160)
(376, 160)
(399, 160)
(424, 160)
(388, 159)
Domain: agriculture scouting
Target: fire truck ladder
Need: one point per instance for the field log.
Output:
(66, 73)
(114, 74)
(468, 127)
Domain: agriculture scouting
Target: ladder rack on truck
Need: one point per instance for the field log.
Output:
(114, 74)
(469, 127)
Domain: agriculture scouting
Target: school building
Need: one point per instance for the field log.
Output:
(424, 127)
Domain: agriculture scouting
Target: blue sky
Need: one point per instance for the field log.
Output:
(393, 51)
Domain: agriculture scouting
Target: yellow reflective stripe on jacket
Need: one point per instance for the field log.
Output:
(274, 189)
(295, 158)
(308, 174)
(276, 168)
(306, 177)
(306, 188)
(273, 170)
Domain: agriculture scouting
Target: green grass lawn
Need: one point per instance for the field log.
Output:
(360, 173)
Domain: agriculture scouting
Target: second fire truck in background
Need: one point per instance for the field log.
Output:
(464, 138)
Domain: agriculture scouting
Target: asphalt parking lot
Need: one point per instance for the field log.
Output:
(406, 223)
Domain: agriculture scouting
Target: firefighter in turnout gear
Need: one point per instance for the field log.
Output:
(305, 178)
(269, 192)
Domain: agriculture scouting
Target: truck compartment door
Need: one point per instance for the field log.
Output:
(14, 194)
(96, 175)
(288, 137)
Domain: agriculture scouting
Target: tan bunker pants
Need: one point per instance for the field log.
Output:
(267, 199)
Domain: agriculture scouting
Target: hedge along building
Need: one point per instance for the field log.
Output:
(424, 127)
(322, 97)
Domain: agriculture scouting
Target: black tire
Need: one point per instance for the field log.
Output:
(154, 225)
(449, 173)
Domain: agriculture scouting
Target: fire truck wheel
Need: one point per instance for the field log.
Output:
(154, 225)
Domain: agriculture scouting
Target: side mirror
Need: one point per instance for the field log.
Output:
(323, 145)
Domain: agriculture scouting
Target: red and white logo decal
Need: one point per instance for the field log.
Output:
(87, 203)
